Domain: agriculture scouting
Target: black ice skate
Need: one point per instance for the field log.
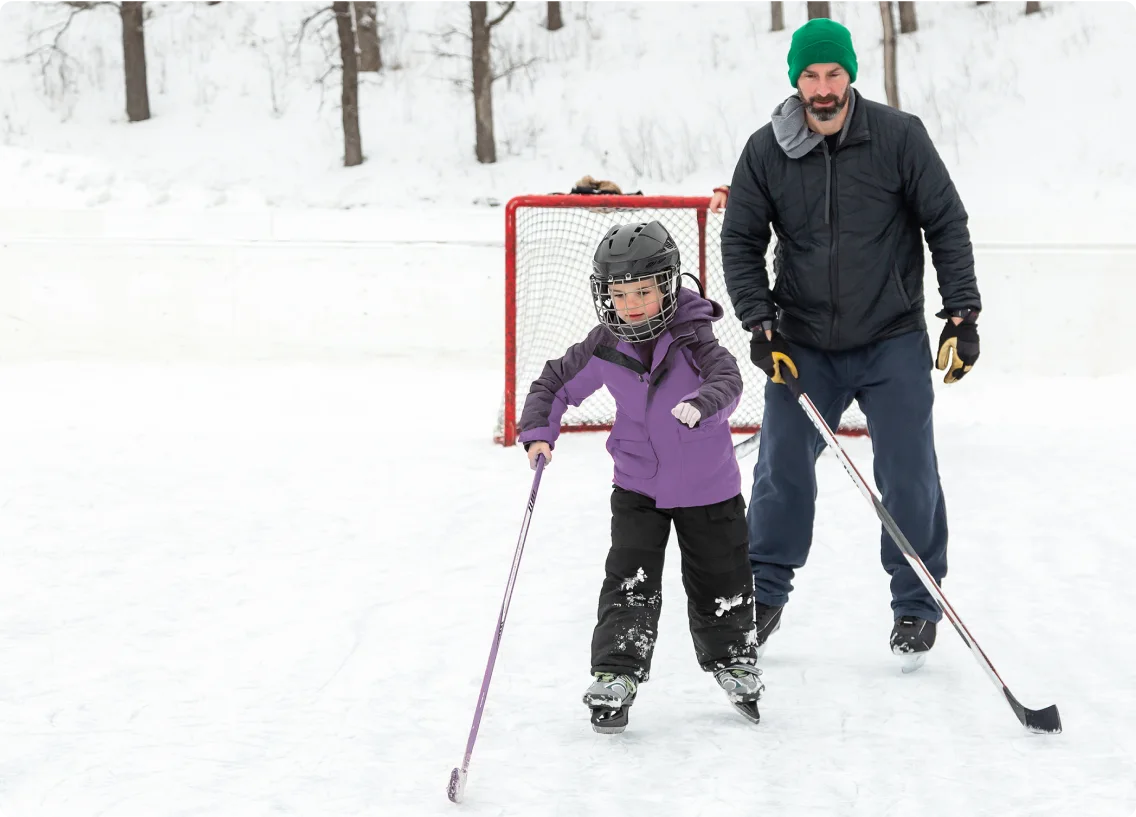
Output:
(768, 621)
(911, 639)
(743, 686)
(609, 697)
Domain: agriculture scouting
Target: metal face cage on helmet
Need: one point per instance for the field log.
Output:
(632, 253)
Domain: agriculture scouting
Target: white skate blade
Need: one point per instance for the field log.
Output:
(911, 661)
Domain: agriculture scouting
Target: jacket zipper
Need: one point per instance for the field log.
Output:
(833, 256)
(676, 343)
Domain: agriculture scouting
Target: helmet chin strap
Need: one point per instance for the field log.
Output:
(697, 283)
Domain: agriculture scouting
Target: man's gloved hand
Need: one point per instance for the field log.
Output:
(958, 346)
(769, 352)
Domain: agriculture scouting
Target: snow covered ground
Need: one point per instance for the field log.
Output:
(270, 588)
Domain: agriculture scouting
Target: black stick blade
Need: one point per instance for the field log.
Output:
(1046, 721)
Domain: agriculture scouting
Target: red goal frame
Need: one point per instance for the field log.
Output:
(700, 204)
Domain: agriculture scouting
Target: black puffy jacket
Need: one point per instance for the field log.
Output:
(853, 275)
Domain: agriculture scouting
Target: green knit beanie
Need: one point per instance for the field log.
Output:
(817, 41)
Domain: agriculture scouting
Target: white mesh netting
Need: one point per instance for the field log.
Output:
(554, 246)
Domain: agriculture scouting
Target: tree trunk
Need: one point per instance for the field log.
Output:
(367, 32)
(890, 82)
(352, 141)
(907, 23)
(482, 83)
(819, 10)
(555, 23)
(1032, 7)
(134, 62)
(777, 16)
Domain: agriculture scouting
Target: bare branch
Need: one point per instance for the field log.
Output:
(78, 6)
(310, 18)
(513, 67)
(453, 32)
(299, 40)
(504, 13)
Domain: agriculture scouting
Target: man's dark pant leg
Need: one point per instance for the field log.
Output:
(718, 582)
(783, 499)
(630, 600)
(898, 404)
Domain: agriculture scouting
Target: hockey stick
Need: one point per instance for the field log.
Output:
(456, 790)
(1036, 720)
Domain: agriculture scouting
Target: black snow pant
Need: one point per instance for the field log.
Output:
(713, 541)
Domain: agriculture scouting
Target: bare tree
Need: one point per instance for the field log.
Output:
(1032, 7)
(907, 22)
(134, 62)
(819, 10)
(352, 140)
(367, 33)
(776, 15)
(482, 35)
(555, 22)
(53, 57)
(890, 82)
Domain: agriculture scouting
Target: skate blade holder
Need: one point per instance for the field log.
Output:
(609, 721)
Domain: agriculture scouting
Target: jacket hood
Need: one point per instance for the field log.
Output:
(693, 307)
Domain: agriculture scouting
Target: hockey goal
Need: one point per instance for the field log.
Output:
(549, 244)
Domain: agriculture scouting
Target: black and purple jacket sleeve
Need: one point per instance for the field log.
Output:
(721, 388)
(566, 381)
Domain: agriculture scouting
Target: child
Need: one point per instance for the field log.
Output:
(674, 389)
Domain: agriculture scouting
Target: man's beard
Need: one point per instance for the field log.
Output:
(825, 114)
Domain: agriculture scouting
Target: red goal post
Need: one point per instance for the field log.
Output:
(549, 244)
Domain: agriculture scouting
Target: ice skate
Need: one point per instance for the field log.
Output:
(743, 686)
(609, 697)
(767, 620)
(911, 639)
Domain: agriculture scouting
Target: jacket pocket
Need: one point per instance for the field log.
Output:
(897, 280)
(634, 458)
(693, 435)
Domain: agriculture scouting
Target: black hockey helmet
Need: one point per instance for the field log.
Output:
(636, 252)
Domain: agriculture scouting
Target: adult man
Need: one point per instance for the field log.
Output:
(847, 185)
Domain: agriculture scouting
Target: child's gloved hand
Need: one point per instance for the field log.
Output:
(535, 449)
(686, 413)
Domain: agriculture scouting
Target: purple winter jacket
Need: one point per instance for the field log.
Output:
(654, 453)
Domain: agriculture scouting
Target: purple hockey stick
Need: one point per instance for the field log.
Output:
(456, 790)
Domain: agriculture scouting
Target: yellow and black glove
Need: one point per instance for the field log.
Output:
(770, 354)
(958, 346)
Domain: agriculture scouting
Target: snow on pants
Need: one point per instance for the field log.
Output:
(716, 575)
(891, 381)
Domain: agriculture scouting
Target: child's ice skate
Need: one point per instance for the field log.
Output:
(743, 686)
(609, 697)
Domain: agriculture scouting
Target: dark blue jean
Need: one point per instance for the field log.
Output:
(891, 381)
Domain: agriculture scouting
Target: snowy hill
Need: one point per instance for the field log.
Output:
(659, 97)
